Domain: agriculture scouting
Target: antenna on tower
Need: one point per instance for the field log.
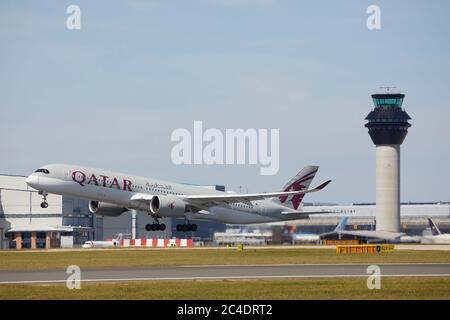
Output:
(388, 88)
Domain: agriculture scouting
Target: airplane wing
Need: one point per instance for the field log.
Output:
(374, 234)
(385, 235)
(304, 212)
(141, 196)
(300, 215)
(141, 200)
(206, 201)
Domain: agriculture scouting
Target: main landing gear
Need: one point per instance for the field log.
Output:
(156, 226)
(44, 203)
(186, 227)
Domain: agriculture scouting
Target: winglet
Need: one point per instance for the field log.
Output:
(323, 185)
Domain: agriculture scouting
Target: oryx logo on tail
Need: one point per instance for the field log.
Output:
(300, 182)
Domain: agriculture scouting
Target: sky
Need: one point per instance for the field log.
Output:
(110, 94)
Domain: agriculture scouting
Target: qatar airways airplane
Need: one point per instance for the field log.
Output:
(113, 193)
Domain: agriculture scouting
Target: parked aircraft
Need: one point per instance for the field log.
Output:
(314, 238)
(436, 237)
(104, 244)
(371, 236)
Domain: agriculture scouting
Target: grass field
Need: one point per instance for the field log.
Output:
(27, 260)
(334, 288)
(329, 288)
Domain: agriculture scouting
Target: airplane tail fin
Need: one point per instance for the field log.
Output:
(301, 181)
(434, 228)
(119, 237)
(341, 225)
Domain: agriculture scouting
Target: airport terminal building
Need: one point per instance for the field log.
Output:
(413, 216)
(24, 224)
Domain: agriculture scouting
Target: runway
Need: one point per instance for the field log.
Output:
(223, 272)
(414, 247)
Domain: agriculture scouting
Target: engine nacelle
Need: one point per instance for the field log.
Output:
(167, 206)
(106, 209)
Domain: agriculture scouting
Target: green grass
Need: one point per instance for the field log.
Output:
(35, 260)
(333, 288)
(330, 288)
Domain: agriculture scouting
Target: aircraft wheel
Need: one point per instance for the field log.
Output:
(44, 205)
(154, 227)
(148, 227)
(194, 227)
(179, 227)
(162, 227)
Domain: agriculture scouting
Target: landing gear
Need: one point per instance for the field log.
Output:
(155, 226)
(186, 227)
(44, 203)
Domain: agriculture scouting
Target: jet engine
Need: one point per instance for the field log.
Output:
(106, 209)
(167, 206)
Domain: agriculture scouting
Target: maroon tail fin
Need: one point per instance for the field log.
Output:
(300, 182)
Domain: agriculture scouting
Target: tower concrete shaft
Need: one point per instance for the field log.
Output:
(388, 187)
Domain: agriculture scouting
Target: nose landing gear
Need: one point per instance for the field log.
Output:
(44, 203)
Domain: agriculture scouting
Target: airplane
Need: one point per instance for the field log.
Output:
(371, 236)
(311, 237)
(104, 244)
(112, 193)
(436, 237)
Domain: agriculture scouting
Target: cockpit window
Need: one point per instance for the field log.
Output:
(43, 171)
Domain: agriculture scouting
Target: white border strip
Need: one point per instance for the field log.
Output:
(225, 278)
(312, 264)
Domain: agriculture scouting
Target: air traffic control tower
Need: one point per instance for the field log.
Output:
(388, 126)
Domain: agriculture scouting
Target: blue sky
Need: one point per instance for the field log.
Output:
(109, 95)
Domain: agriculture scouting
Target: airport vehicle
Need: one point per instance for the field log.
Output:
(113, 193)
(104, 244)
(436, 237)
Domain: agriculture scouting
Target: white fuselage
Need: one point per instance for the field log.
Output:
(101, 244)
(437, 239)
(118, 188)
(305, 237)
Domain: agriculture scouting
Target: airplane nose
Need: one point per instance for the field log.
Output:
(32, 181)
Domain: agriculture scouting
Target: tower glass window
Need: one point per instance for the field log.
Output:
(388, 100)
